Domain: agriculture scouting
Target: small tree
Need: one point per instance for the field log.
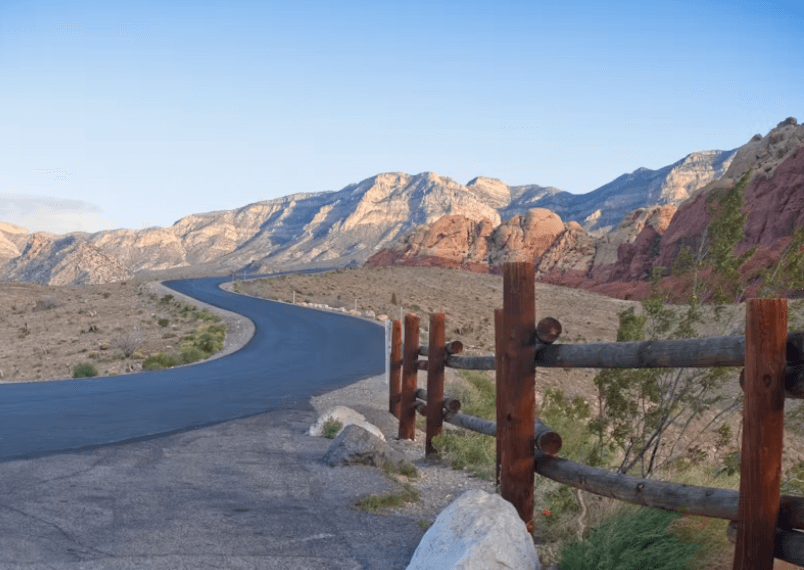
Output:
(639, 408)
(128, 342)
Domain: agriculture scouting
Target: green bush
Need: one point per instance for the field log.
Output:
(159, 361)
(331, 428)
(207, 316)
(84, 370)
(631, 542)
(163, 322)
(192, 354)
(211, 339)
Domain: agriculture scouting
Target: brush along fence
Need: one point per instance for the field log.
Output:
(763, 523)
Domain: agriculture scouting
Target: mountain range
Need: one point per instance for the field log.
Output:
(378, 216)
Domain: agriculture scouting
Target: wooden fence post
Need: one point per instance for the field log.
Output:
(499, 347)
(410, 357)
(435, 381)
(763, 422)
(518, 388)
(395, 380)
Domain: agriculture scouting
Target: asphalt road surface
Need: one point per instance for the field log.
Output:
(295, 353)
(151, 470)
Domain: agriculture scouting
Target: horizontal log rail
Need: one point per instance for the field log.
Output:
(546, 440)
(686, 353)
(788, 545)
(450, 404)
(688, 499)
(454, 347)
(773, 362)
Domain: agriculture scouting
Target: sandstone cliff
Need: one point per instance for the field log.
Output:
(347, 227)
(619, 262)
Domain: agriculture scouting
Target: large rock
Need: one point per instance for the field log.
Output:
(357, 446)
(478, 531)
(346, 416)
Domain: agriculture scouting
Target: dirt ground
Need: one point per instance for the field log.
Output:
(468, 301)
(46, 331)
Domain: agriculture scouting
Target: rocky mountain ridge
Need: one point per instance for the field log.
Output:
(619, 262)
(341, 228)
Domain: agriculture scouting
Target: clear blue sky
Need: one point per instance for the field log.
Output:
(136, 116)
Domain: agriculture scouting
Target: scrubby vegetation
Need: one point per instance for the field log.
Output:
(201, 344)
(84, 370)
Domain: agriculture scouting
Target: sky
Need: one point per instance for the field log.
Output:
(132, 115)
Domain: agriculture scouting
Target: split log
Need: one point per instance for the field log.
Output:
(687, 353)
(548, 330)
(471, 362)
(686, 499)
(452, 347)
(546, 440)
(450, 403)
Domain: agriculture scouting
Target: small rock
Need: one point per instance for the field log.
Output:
(346, 416)
(357, 446)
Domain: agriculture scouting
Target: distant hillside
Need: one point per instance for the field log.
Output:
(333, 229)
(619, 262)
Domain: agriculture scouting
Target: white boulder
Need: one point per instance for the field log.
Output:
(477, 531)
(347, 416)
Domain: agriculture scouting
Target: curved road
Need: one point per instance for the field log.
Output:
(295, 353)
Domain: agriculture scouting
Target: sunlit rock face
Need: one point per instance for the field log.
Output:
(398, 218)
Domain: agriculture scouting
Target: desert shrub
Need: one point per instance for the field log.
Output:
(159, 361)
(84, 370)
(210, 340)
(128, 342)
(163, 322)
(207, 316)
(631, 542)
(192, 354)
(166, 299)
(45, 304)
(331, 428)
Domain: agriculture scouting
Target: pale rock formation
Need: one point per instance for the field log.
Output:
(477, 531)
(526, 238)
(346, 416)
(357, 446)
(63, 260)
(491, 191)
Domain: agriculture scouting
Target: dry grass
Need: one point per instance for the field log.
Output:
(46, 331)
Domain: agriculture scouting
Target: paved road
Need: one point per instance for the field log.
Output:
(294, 354)
(150, 470)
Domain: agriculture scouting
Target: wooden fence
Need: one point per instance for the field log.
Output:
(763, 523)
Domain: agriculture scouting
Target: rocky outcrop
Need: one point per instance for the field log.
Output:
(12, 240)
(620, 262)
(477, 531)
(422, 219)
(603, 209)
(63, 260)
(357, 446)
(460, 243)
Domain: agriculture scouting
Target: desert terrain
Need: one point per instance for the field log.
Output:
(468, 301)
(46, 331)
